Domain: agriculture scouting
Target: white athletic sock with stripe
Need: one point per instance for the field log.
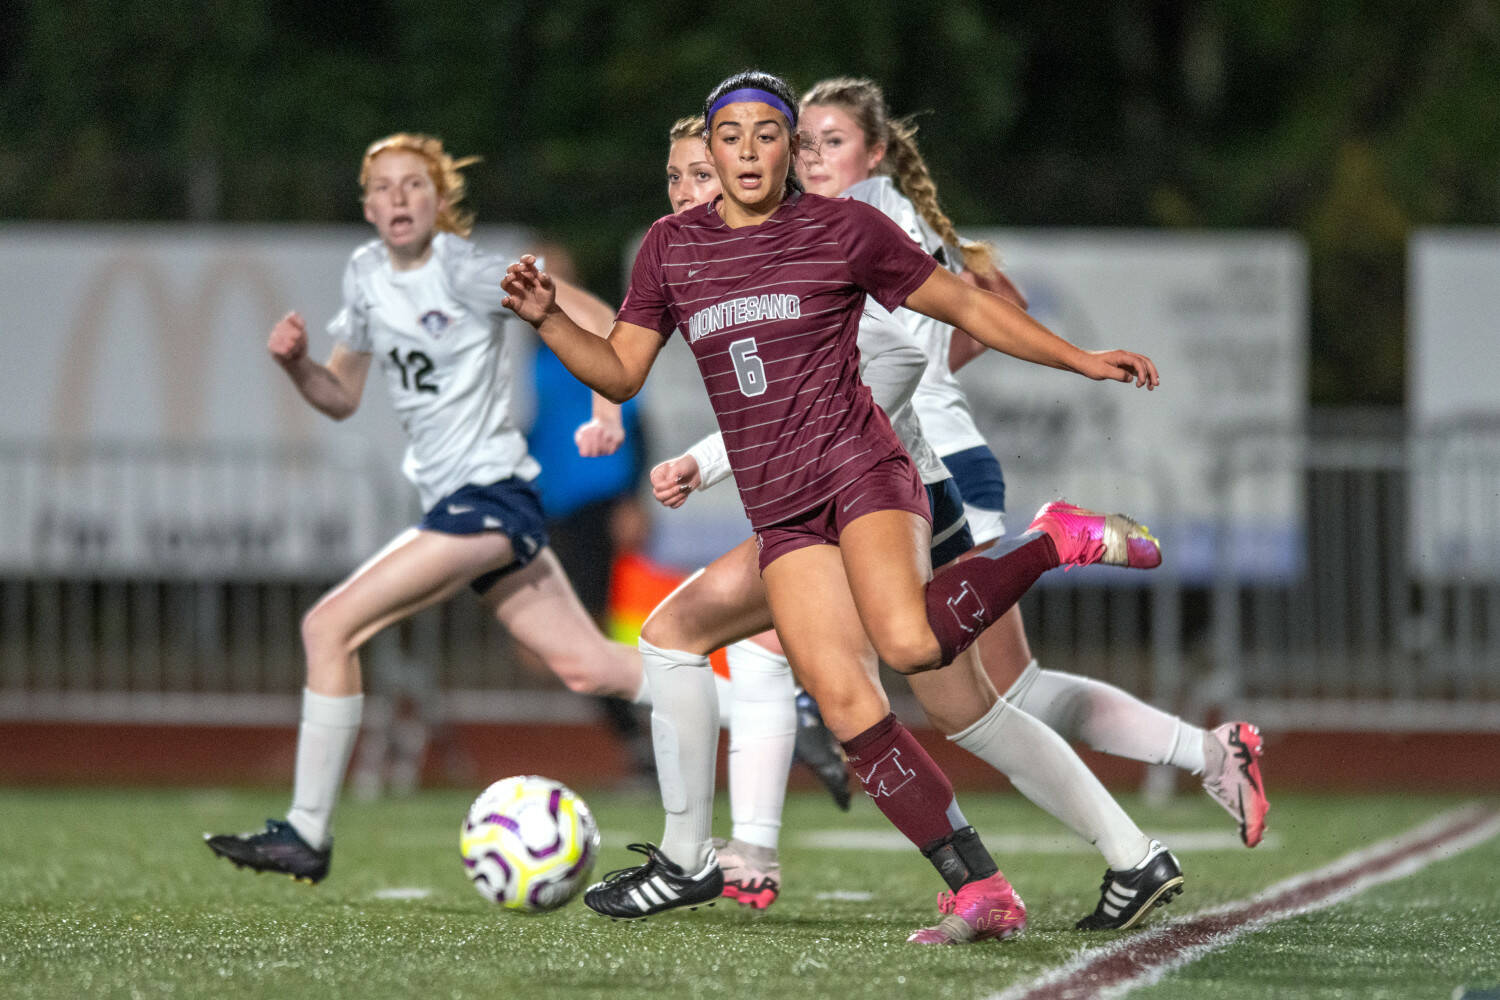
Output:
(685, 735)
(762, 736)
(330, 725)
(1106, 718)
(1047, 771)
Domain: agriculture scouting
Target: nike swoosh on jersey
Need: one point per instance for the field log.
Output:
(851, 503)
(460, 508)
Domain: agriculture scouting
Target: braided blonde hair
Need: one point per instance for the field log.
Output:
(441, 167)
(865, 102)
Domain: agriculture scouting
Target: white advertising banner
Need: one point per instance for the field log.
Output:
(1224, 316)
(1453, 332)
(146, 430)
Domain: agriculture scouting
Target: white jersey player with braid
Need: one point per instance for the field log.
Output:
(1100, 715)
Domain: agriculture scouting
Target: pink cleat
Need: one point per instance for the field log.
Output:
(752, 875)
(1231, 775)
(1083, 537)
(980, 911)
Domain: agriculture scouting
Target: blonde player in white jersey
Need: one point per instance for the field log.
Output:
(864, 154)
(424, 303)
(959, 699)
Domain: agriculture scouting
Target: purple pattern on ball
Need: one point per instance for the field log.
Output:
(585, 860)
(509, 875)
(500, 819)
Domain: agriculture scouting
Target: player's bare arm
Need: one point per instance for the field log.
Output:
(1001, 326)
(963, 348)
(615, 367)
(333, 389)
(605, 431)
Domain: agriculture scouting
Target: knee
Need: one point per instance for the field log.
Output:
(322, 633)
(908, 654)
(657, 632)
(591, 673)
(666, 632)
(581, 681)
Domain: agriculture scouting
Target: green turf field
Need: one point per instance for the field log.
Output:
(111, 894)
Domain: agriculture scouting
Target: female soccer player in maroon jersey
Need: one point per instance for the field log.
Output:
(767, 284)
(722, 599)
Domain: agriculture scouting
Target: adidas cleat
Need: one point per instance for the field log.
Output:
(655, 886)
(1231, 775)
(983, 910)
(1083, 537)
(1126, 897)
(819, 749)
(277, 848)
(752, 875)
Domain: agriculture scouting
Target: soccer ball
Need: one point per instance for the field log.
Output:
(529, 843)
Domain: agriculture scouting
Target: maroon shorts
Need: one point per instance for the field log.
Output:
(893, 484)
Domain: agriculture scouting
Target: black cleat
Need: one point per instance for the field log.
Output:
(654, 886)
(1126, 897)
(819, 749)
(277, 848)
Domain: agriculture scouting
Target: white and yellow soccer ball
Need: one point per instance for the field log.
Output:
(529, 843)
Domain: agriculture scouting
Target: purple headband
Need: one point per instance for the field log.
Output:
(748, 94)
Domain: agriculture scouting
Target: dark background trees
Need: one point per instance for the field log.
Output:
(1350, 123)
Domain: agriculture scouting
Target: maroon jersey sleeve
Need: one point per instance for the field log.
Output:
(646, 300)
(884, 260)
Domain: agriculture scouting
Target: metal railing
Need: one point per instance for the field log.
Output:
(1393, 618)
(1386, 614)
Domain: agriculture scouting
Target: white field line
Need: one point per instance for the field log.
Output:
(403, 892)
(1141, 959)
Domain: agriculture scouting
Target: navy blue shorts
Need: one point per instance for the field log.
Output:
(983, 487)
(510, 507)
(950, 528)
(979, 477)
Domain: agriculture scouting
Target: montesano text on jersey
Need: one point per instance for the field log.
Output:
(771, 312)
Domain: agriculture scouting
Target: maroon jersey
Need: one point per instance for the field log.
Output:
(771, 312)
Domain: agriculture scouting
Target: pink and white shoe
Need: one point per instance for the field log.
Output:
(752, 875)
(1231, 775)
(988, 909)
(1084, 537)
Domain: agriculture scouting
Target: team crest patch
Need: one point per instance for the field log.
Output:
(435, 321)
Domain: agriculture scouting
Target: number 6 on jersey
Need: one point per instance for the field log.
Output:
(748, 367)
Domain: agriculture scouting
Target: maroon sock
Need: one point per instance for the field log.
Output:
(968, 597)
(905, 783)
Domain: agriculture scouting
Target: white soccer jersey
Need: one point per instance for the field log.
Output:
(882, 334)
(939, 400)
(438, 334)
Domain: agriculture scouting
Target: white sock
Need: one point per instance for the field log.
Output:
(1106, 718)
(685, 736)
(723, 692)
(330, 725)
(1047, 771)
(762, 736)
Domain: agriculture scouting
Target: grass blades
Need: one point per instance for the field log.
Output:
(110, 893)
